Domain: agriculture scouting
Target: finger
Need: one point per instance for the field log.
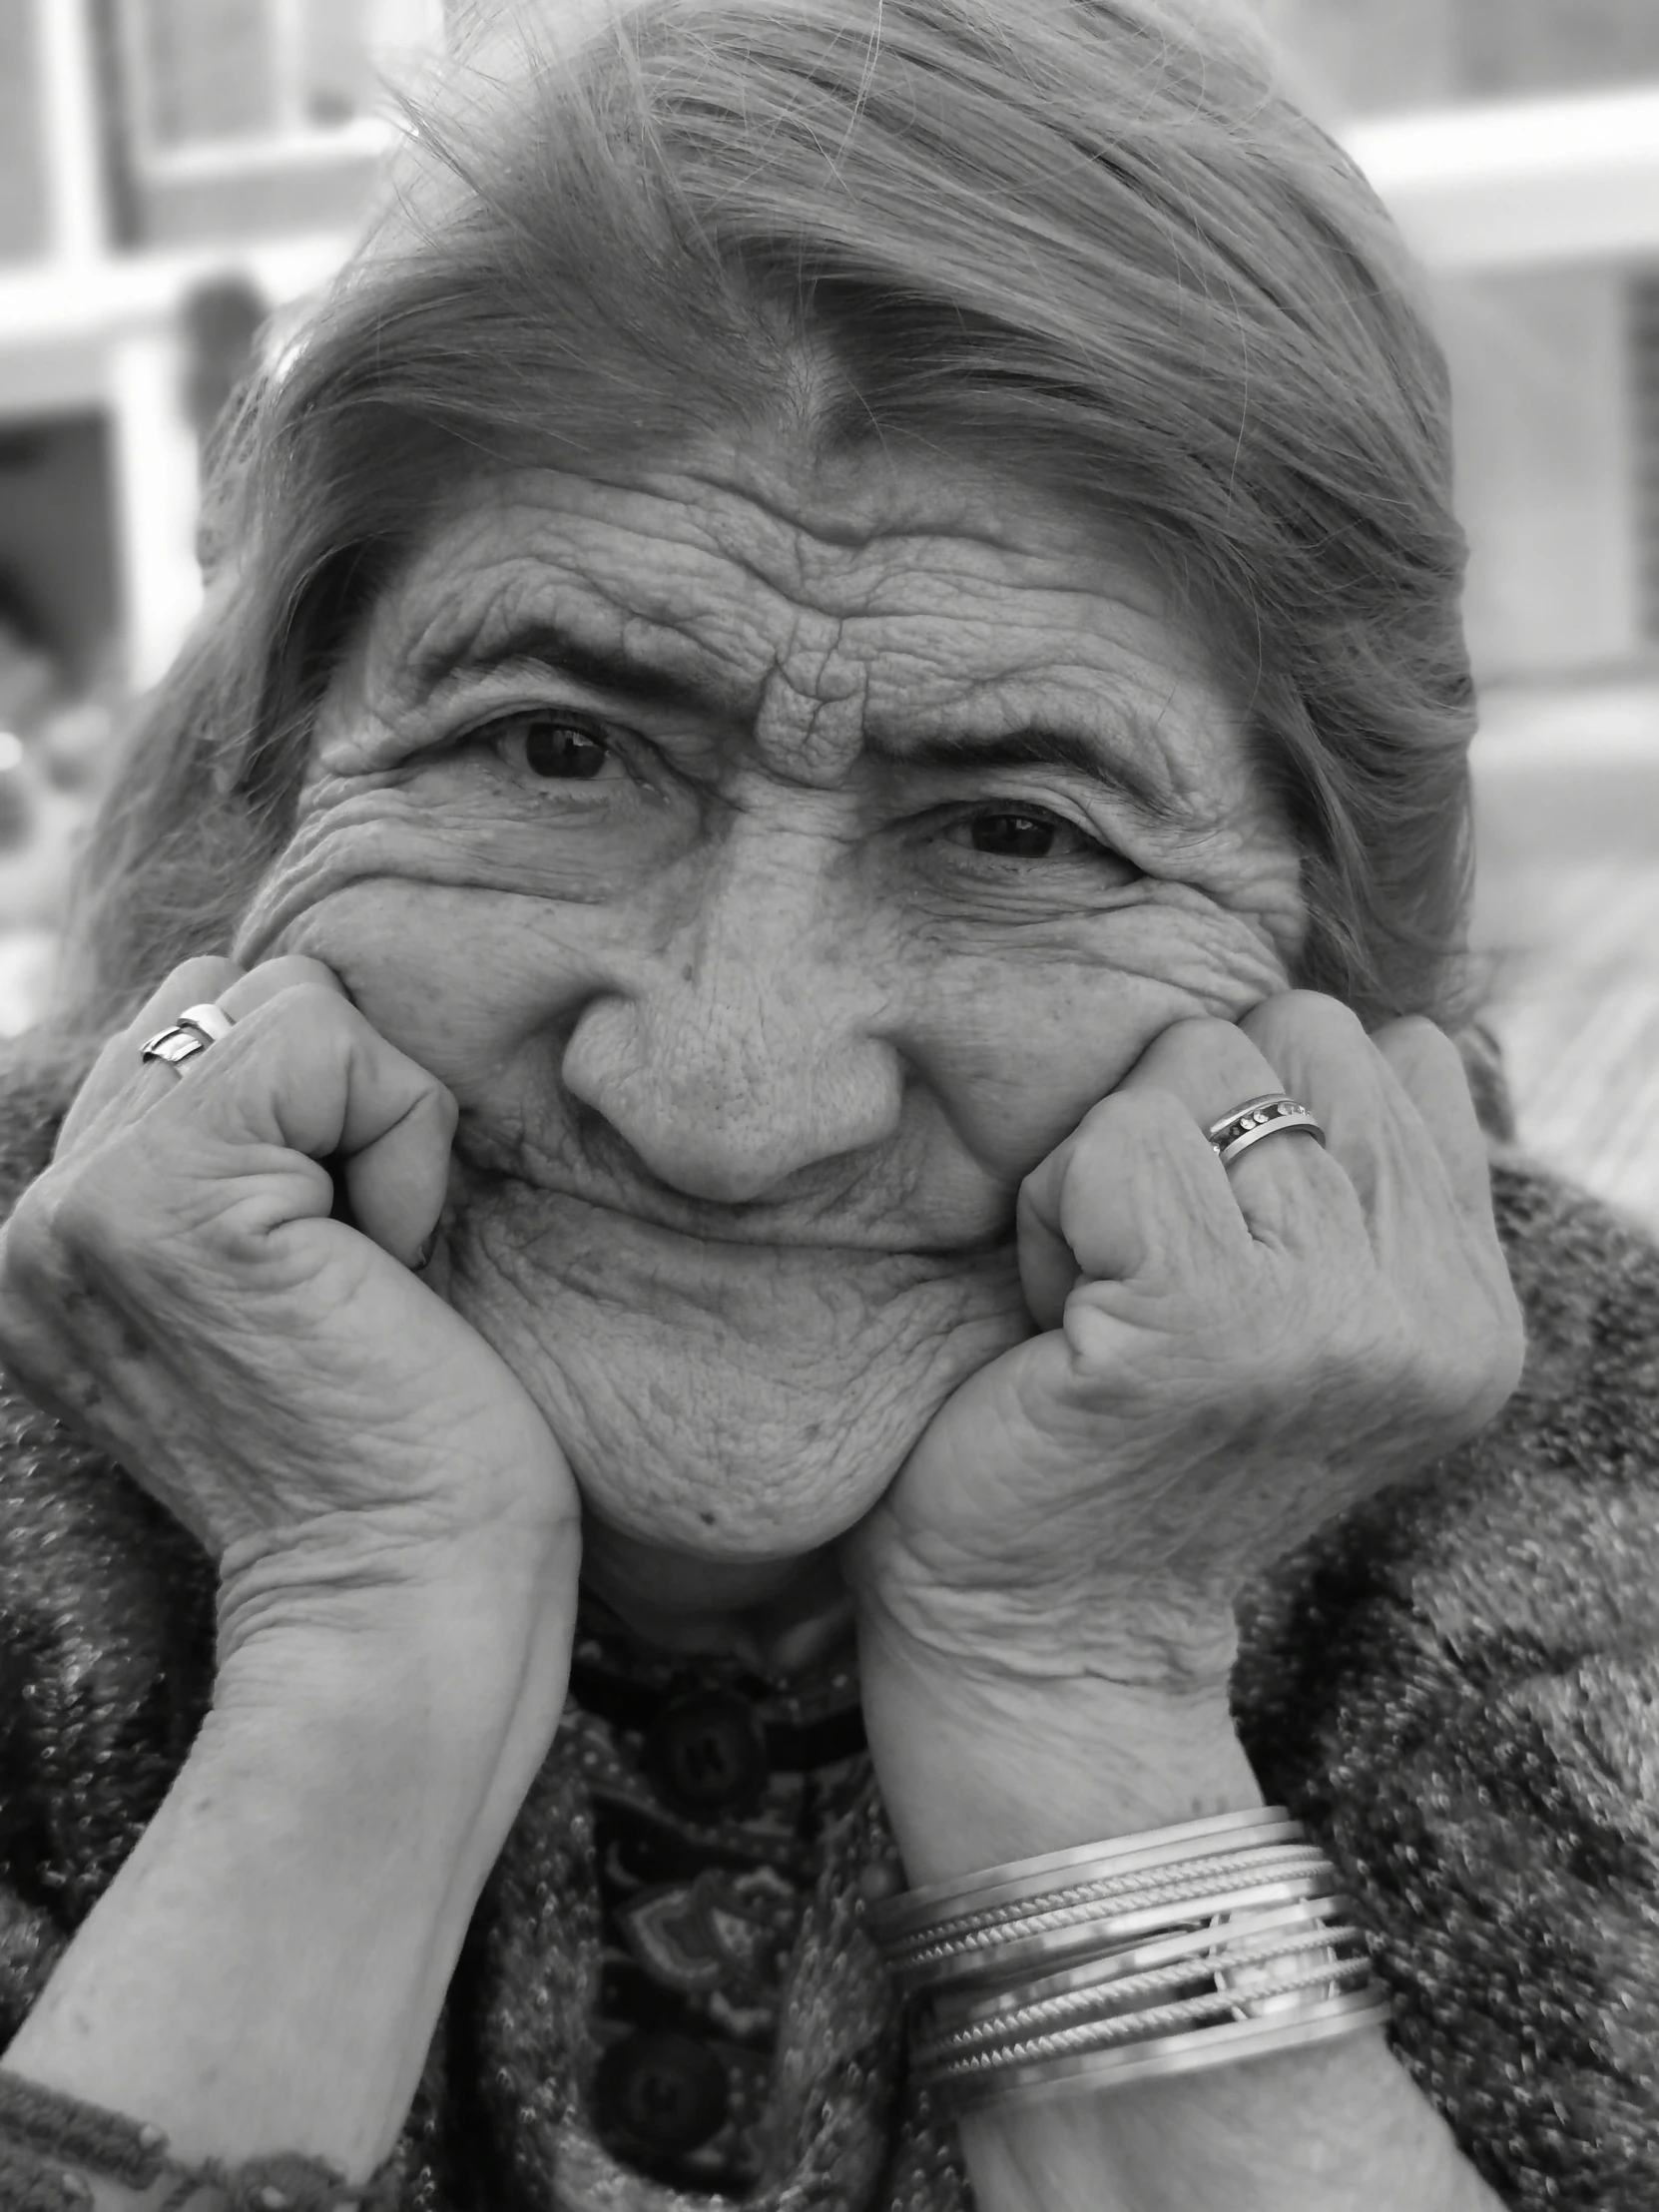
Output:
(1048, 1267)
(302, 1070)
(1428, 1069)
(1326, 1059)
(119, 1077)
(122, 1078)
(258, 986)
(1396, 1105)
(1134, 1193)
(1283, 1182)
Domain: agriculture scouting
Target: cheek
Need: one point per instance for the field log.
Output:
(1017, 1049)
(464, 981)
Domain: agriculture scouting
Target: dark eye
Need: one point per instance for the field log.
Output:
(557, 747)
(1016, 836)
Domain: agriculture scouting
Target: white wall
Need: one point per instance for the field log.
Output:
(1546, 468)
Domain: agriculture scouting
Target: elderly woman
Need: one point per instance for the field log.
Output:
(763, 1451)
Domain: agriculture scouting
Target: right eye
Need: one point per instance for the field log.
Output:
(550, 743)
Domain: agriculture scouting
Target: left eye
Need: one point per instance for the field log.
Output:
(551, 745)
(1012, 835)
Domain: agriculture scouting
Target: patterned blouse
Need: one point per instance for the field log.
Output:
(669, 2000)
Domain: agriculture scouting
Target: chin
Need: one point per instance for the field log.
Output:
(706, 1459)
(744, 1430)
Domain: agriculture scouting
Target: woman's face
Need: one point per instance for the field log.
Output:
(776, 862)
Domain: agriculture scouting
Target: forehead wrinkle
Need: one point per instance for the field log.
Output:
(811, 683)
(808, 725)
(1153, 750)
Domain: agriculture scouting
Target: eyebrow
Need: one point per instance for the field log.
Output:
(545, 645)
(1043, 745)
(542, 644)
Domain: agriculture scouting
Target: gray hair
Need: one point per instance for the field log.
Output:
(1087, 240)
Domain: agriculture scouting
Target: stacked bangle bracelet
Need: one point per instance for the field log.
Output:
(1191, 1947)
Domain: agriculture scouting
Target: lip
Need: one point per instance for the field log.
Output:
(681, 1223)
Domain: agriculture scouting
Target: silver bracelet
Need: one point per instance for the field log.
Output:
(1166, 1966)
(1084, 1926)
(1226, 2043)
(1202, 1944)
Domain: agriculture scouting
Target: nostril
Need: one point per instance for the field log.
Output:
(675, 1165)
(734, 1179)
(734, 1098)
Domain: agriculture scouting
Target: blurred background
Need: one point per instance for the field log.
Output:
(176, 176)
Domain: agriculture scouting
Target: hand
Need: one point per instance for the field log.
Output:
(284, 1384)
(1228, 1357)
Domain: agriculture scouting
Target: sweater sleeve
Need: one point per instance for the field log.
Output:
(107, 1626)
(1459, 1689)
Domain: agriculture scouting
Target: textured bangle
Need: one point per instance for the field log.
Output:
(1066, 2074)
(1083, 1925)
(49, 2143)
(1078, 1904)
(1237, 1959)
(1194, 1946)
(1023, 1878)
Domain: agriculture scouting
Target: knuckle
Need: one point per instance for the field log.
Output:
(80, 1217)
(1193, 1042)
(305, 997)
(1465, 1375)
(1147, 1120)
(1366, 1345)
(1419, 1035)
(50, 1258)
(1111, 1120)
(41, 1224)
(201, 978)
(442, 1104)
(1302, 1020)
(299, 970)
(309, 1017)
(27, 1249)
(1414, 1041)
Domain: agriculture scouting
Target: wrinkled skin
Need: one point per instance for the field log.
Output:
(783, 931)
(810, 1106)
(752, 1046)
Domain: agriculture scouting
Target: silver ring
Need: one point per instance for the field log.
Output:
(1271, 1115)
(193, 1031)
(213, 1022)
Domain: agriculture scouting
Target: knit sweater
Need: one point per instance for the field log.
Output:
(1456, 1687)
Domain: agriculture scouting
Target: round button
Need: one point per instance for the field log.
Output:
(707, 1754)
(663, 2090)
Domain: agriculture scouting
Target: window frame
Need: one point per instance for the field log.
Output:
(293, 140)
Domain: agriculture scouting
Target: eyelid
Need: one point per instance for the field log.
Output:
(1040, 785)
(487, 719)
(487, 731)
(1040, 810)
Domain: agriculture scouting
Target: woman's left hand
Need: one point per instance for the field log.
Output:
(1228, 1357)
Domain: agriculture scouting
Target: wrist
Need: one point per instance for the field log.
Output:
(1162, 1632)
(289, 1922)
(980, 1765)
(451, 1685)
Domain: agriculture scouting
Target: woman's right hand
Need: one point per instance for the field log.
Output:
(174, 1287)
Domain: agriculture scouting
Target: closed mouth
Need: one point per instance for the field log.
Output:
(758, 1229)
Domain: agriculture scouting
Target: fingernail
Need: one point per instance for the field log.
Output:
(423, 1257)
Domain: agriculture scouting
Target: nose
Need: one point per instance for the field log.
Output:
(746, 1048)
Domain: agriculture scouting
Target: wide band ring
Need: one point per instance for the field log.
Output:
(193, 1031)
(1271, 1115)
